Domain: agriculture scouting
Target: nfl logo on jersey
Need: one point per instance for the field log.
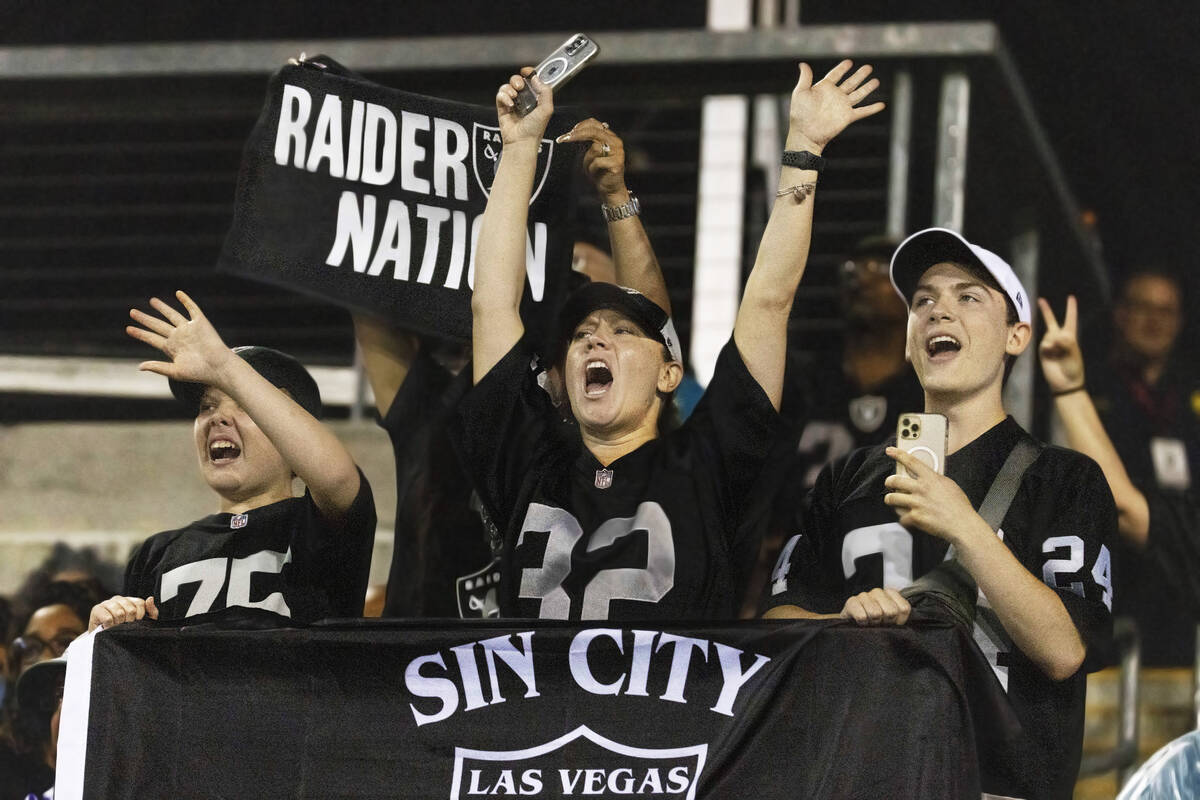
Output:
(604, 478)
(238, 521)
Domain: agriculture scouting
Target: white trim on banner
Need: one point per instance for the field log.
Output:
(73, 724)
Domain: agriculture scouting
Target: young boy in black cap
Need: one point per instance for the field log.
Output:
(266, 554)
(615, 521)
(1041, 557)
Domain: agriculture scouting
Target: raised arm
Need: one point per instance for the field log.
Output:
(1062, 365)
(819, 112)
(387, 354)
(500, 251)
(633, 256)
(197, 354)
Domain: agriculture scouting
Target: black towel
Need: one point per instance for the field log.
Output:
(318, 221)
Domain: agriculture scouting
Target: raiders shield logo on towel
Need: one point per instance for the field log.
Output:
(485, 157)
(867, 412)
(478, 593)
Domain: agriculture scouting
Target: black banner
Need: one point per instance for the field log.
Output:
(545, 710)
(371, 198)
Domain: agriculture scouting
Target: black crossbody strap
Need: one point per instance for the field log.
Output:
(1008, 480)
(949, 581)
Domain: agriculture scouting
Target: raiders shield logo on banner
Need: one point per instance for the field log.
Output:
(867, 412)
(580, 762)
(486, 145)
(478, 593)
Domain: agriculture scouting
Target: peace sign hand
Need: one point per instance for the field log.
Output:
(1062, 360)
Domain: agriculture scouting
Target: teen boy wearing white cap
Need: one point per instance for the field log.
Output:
(1044, 577)
(615, 521)
(266, 555)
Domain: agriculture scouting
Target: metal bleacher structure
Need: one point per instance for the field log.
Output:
(118, 166)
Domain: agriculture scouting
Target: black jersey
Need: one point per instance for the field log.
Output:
(1173, 547)
(1156, 432)
(654, 536)
(283, 558)
(1155, 429)
(829, 417)
(440, 545)
(835, 416)
(1060, 526)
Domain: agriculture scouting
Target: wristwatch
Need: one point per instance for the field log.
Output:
(802, 159)
(630, 209)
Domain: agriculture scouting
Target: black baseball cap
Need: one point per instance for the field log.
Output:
(279, 368)
(37, 689)
(648, 315)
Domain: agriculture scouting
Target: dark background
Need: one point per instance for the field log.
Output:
(1114, 82)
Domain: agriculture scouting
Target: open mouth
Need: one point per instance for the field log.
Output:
(597, 378)
(223, 451)
(941, 345)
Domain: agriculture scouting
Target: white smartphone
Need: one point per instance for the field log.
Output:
(923, 435)
(558, 68)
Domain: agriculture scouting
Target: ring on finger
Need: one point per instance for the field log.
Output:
(605, 148)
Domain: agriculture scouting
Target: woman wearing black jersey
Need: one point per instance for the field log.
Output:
(616, 521)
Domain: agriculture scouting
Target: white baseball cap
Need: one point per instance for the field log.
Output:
(923, 249)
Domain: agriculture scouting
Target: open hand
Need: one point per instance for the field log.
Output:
(1062, 360)
(195, 348)
(513, 127)
(822, 110)
(925, 499)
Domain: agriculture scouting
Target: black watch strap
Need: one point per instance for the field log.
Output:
(802, 159)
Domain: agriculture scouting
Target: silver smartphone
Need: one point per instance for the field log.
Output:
(558, 68)
(923, 435)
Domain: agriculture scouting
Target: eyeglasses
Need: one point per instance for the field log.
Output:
(27, 650)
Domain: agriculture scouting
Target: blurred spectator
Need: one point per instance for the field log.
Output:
(1152, 390)
(66, 563)
(440, 544)
(1160, 528)
(55, 616)
(844, 399)
(851, 399)
(39, 698)
(1148, 397)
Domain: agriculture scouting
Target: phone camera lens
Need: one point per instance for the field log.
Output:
(904, 433)
(916, 428)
